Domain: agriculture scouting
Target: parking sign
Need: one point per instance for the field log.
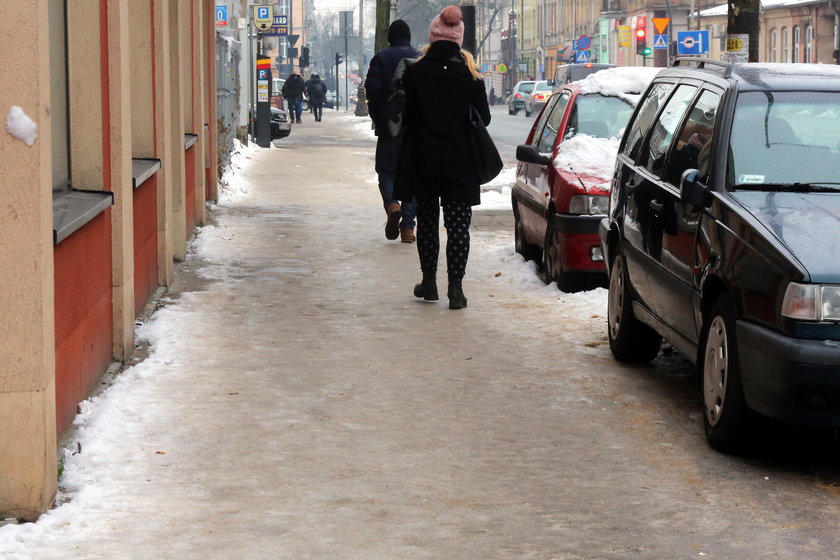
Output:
(692, 42)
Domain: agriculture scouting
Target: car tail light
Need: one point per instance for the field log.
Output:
(811, 302)
(518, 95)
(539, 97)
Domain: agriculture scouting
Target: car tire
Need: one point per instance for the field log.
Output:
(630, 339)
(529, 251)
(553, 263)
(728, 421)
(511, 111)
(527, 112)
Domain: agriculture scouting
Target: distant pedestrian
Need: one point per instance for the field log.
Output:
(436, 161)
(293, 91)
(316, 91)
(492, 95)
(379, 76)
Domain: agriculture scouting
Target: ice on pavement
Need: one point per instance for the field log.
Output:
(93, 485)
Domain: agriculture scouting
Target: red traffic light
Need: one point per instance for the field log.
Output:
(641, 33)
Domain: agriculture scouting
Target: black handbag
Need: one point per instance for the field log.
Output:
(488, 162)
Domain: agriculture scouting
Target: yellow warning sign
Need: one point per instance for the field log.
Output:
(501, 68)
(734, 44)
(660, 23)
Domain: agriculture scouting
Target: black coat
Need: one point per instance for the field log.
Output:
(436, 159)
(316, 90)
(293, 87)
(379, 76)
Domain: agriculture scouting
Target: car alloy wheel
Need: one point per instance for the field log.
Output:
(729, 422)
(630, 340)
(715, 370)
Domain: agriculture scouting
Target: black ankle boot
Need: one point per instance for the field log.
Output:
(427, 289)
(457, 300)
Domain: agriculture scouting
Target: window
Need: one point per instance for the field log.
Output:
(644, 118)
(58, 95)
(665, 126)
(773, 46)
(694, 141)
(785, 46)
(809, 43)
(796, 45)
(548, 134)
(785, 137)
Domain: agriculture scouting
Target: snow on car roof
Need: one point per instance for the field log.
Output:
(625, 82)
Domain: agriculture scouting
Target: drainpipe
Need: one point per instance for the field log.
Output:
(836, 32)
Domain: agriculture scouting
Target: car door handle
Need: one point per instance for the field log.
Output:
(656, 206)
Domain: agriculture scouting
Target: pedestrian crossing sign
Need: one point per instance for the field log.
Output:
(660, 42)
(582, 56)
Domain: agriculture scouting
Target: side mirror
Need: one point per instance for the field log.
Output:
(692, 191)
(529, 154)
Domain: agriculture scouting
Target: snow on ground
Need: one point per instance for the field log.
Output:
(118, 414)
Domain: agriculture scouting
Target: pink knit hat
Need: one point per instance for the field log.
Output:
(448, 25)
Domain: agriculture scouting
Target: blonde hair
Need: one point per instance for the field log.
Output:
(466, 56)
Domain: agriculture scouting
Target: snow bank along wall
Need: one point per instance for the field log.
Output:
(96, 208)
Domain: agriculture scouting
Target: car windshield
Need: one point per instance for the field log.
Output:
(526, 87)
(598, 115)
(542, 86)
(785, 141)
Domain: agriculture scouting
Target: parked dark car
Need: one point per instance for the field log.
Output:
(568, 73)
(564, 174)
(722, 238)
(516, 99)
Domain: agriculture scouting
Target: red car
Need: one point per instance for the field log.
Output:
(564, 174)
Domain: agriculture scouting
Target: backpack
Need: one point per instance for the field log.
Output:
(395, 98)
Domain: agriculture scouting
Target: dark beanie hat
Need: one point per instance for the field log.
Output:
(399, 29)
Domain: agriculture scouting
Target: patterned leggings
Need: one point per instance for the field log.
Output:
(456, 220)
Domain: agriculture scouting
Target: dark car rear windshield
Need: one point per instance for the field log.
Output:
(784, 137)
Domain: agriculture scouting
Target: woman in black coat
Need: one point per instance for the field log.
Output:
(436, 162)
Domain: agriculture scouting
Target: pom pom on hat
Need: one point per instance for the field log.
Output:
(448, 25)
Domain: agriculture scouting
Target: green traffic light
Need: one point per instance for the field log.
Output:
(646, 51)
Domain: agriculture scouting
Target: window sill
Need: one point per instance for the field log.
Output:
(73, 209)
(189, 140)
(142, 169)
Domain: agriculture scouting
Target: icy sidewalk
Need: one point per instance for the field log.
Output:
(296, 401)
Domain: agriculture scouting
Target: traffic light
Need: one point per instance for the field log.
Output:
(641, 42)
(338, 59)
(304, 57)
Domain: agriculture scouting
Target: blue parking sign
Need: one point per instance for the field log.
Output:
(692, 42)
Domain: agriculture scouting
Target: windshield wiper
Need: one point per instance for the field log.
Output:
(790, 187)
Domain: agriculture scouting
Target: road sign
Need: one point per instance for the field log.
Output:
(625, 37)
(584, 42)
(263, 17)
(660, 23)
(501, 68)
(692, 42)
(582, 56)
(221, 16)
(660, 41)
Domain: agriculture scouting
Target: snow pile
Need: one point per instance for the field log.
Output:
(231, 185)
(19, 125)
(624, 82)
(588, 156)
(495, 195)
(364, 127)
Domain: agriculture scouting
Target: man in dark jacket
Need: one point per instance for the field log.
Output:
(378, 80)
(316, 91)
(293, 92)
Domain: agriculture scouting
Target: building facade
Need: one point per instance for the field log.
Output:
(110, 157)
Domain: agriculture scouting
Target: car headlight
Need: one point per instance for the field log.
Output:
(811, 302)
(594, 205)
